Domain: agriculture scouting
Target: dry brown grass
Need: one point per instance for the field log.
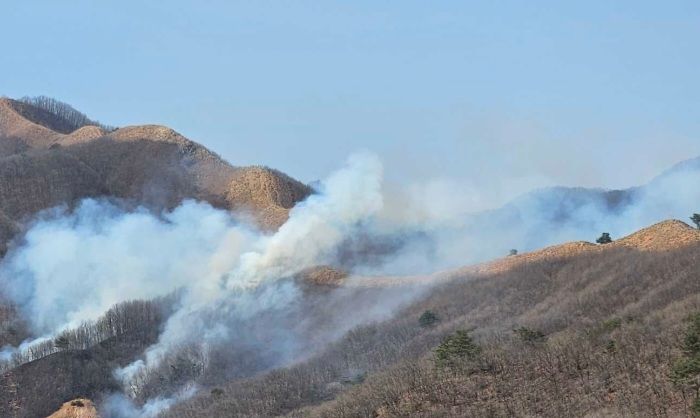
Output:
(323, 276)
(76, 408)
(667, 235)
(86, 133)
(41, 167)
(14, 123)
(645, 285)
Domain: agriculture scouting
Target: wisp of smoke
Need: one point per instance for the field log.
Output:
(443, 236)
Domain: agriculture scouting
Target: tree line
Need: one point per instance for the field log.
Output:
(136, 316)
(74, 118)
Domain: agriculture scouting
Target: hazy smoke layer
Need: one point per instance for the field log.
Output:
(444, 232)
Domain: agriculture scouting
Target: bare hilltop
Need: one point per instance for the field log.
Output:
(51, 154)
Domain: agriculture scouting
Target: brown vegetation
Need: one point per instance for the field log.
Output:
(82, 363)
(323, 276)
(570, 330)
(611, 318)
(49, 159)
(76, 408)
(606, 320)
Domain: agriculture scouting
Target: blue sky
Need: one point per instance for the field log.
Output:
(497, 95)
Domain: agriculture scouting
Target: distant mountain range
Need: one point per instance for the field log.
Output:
(559, 214)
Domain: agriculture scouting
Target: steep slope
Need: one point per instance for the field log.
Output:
(84, 366)
(40, 179)
(43, 164)
(610, 317)
(43, 178)
(53, 379)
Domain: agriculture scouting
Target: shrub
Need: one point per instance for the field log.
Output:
(696, 407)
(353, 378)
(428, 319)
(530, 335)
(691, 341)
(696, 219)
(513, 252)
(455, 349)
(686, 370)
(611, 324)
(604, 238)
(611, 347)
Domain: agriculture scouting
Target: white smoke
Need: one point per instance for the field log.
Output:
(449, 232)
(313, 231)
(73, 266)
(119, 406)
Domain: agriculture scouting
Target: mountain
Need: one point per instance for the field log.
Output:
(43, 163)
(576, 329)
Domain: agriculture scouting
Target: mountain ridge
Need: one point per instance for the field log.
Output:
(151, 164)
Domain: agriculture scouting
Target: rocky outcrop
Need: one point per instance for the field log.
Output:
(323, 276)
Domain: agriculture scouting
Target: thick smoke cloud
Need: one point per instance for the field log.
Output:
(74, 265)
(72, 268)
